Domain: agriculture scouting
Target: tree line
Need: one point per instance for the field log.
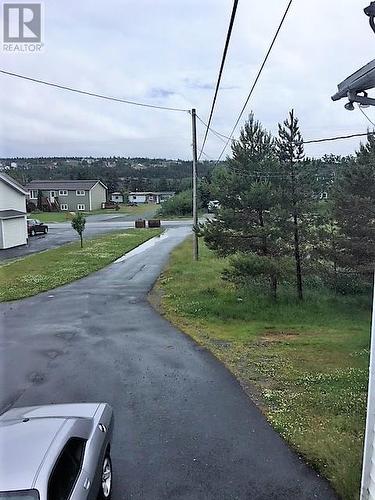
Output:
(273, 224)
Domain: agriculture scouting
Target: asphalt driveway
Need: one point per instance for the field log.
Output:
(184, 428)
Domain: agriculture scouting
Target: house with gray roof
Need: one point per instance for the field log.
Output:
(70, 195)
(13, 227)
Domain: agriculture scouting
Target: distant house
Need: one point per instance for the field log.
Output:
(117, 197)
(77, 195)
(13, 228)
(150, 196)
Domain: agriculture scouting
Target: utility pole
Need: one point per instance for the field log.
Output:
(195, 161)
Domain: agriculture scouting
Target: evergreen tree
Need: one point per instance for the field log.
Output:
(246, 224)
(354, 210)
(297, 194)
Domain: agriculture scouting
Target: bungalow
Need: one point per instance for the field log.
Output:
(117, 197)
(150, 196)
(71, 195)
(13, 228)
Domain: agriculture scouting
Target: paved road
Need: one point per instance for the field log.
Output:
(62, 233)
(184, 428)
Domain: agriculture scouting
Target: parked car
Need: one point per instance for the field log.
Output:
(35, 226)
(56, 452)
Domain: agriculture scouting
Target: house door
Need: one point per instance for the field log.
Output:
(52, 196)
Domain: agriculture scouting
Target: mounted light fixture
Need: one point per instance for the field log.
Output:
(349, 106)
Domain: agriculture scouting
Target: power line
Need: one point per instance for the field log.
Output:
(366, 115)
(92, 94)
(257, 78)
(229, 33)
(337, 138)
(215, 132)
(308, 141)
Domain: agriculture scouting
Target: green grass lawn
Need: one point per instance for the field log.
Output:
(46, 270)
(305, 365)
(135, 212)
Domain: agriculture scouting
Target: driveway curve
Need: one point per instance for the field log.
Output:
(184, 429)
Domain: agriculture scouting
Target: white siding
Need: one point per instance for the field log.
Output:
(368, 470)
(14, 232)
(137, 198)
(10, 199)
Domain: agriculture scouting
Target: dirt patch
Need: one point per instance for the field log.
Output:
(278, 336)
(155, 298)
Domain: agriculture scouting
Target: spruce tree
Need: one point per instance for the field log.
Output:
(297, 194)
(246, 224)
(354, 210)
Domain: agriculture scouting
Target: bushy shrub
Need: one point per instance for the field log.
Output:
(30, 206)
(180, 204)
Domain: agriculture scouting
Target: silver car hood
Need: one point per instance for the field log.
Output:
(74, 410)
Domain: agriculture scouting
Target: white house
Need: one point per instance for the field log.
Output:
(150, 196)
(13, 227)
(117, 197)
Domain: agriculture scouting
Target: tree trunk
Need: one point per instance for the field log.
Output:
(297, 254)
(274, 287)
(81, 240)
(297, 257)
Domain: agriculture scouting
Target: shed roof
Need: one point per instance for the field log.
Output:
(11, 214)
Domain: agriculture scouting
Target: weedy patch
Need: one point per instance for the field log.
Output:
(305, 365)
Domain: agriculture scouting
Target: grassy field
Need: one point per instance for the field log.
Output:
(135, 212)
(46, 270)
(305, 365)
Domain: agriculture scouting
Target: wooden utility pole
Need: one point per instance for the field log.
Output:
(195, 161)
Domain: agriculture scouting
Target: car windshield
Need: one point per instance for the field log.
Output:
(20, 495)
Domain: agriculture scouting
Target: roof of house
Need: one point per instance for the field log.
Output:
(11, 214)
(63, 184)
(12, 183)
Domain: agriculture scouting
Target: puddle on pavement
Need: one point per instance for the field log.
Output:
(142, 248)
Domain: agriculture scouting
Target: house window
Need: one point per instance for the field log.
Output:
(80, 206)
(64, 206)
(134, 197)
(33, 194)
(80, 192)
(63, 192)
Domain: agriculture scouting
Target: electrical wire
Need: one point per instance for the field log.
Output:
(366, 115)
(257, 78)
(214, 132)
(229, 33)
(91, 94)
(337, 138)
(309, 141)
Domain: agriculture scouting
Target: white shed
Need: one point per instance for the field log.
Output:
(117, 197)
(13, 227)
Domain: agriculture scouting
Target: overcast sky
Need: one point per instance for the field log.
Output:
(167, 52)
